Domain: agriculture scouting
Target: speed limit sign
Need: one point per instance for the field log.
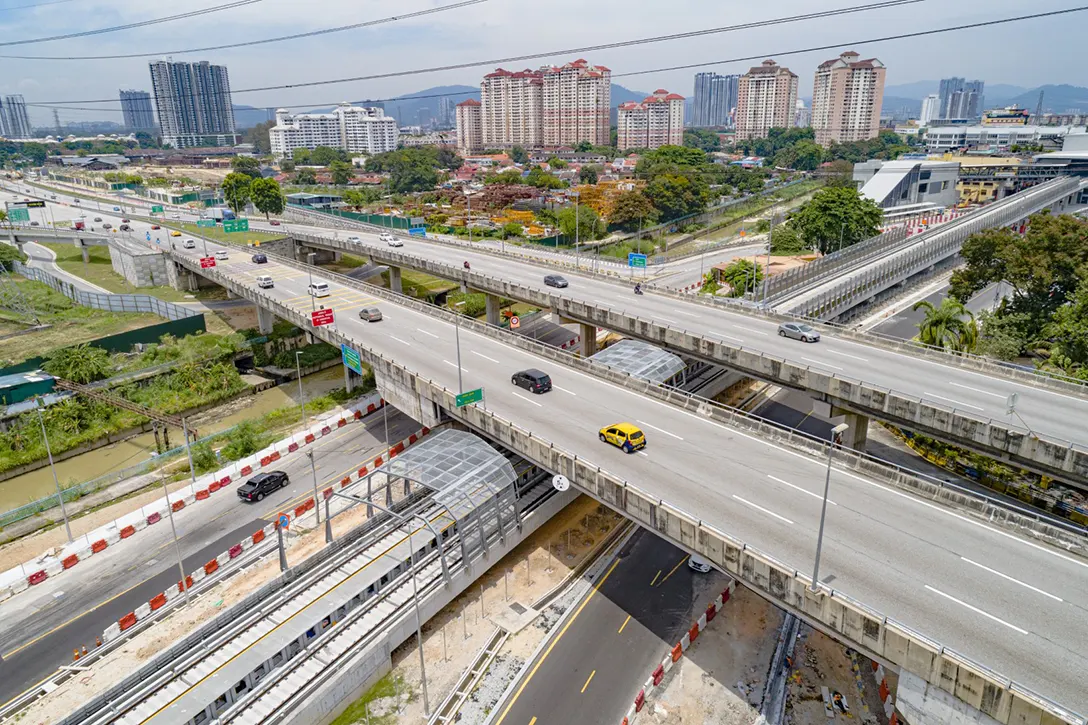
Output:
(515, 323)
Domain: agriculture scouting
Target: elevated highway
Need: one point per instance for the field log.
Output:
(985, 584)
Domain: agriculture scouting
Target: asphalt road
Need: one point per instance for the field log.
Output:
(904, 324)
(40, 627)
(592, 668)
(1012, 604)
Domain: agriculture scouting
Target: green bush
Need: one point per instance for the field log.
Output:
(314, 354)
(204, 458)
(245, 440)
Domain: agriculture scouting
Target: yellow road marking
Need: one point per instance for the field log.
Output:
(588, 681)
(655, 577)
(555, 641)
(533, 721)
(624, 624)
(685, 558)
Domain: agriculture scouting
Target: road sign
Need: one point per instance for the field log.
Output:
(156, 209)
(16, 214)
(205, 222)
(1010, 403)
(636, 260)
(283, 521)
(561, 482)
(351, 359)
(515, 323)
(469, 397)
(206, 262)
(418, 232)
(321, 317)
(236, 225)
(743, 233)
(27, 204)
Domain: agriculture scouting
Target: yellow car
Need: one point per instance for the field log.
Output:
(623, 435)
(175, 233)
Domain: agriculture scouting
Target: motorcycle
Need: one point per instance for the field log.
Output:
(467, 266)
(638, 289)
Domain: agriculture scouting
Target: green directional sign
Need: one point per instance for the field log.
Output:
(205, 222)
(15, 214)
(636, 260)
(157, 209)
(469, 397)
(351, 359)
(236, 225)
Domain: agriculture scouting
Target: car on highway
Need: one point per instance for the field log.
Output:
(699, 564)
(354, 239)
(318, 289)
(261, 485)
(52, 196)
(533, 380)
(155, 227)
(625, 436)
(34, 224)
(175, 216)
(390, 240)
(556, 280)
(98, 218)
(126, 221)
(107, 226)
(275, 222)
(126, 228)
(259, 258)
(117, 208)
(189, 244)
(264, 281)
(799, 331)
(370, 314)
(175, 233)
(221, 254)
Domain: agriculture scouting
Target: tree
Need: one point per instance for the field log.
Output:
(258, 136)
(541, 179)
(267, 196)
(1002, 336)
(786, 240)
(740, 275)
(557, 163)
(509, 177)
(834, 214)
(448, 159)
(702, 138)
(325, 155)
(519, 155)
(341, 172)
(287, 165)
(1068, 328)
(305, 177)
(804, 155)
(511, 229)
(9, 253)
(80, 363)
(633, 209)
(34, 152)
(840, 175)
(247, 165)
(582, 228)
(302, 156)
(236, 190)
(676, 196)
(412, 169)
(950, 326)
(589, 174)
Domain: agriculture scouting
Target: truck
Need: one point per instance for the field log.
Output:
(220, 213)
(80, 225)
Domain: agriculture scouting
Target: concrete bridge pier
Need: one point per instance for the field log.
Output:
(857, 434)
(265, 320)
(350, 379)
(492, 308)
(589, 339)
(394, 279)
(404, 395)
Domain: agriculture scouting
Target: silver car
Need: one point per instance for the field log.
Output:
(799, 331)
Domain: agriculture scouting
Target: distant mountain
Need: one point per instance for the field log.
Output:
(1056, 99)
(248, 116)
(406, 109)
(998, 93)
(915, 91)
(623, 95)
(901, 107)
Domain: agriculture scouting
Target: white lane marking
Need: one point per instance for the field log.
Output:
(400, 340)
(976, 390)
(519, 395)
(746, 502)
(928, 394)
(749, 329)
(685, 312)
(844, 354)
(666, 319)
(810, 493)
(976, 610)
(821, 362)
(426, 332)
(727, 337)
(568, 392)
(660, 430)
(485, 357)
(453, 365)
(642, 453)
(1009, 578)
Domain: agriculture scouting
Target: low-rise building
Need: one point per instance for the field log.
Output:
(657, 121)
(351, 128)
(323, 202)
(434, 138)
(908, 182)
(950, 138)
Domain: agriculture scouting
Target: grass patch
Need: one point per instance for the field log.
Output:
(419, 285)
(386, 688)
(99, 270)
(219, 235)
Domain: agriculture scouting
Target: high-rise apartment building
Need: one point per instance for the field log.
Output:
(136, 109)
(715, 100)
(447, 112)
(847, 95)
(354, 129)
(657, 121)
(960, 99)
(577, 104)
(193, 103)
(470, 126)
(802, 118)
(930, 109)
(766, 99)
(511, 103)
(14, 122)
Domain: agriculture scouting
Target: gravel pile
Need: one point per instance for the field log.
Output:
(492, 685)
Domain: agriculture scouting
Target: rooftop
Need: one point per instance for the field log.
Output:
(641, 360)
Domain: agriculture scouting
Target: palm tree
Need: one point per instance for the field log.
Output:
(950, 326)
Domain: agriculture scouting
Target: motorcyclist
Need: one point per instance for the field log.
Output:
(638, 288)
(467, 265)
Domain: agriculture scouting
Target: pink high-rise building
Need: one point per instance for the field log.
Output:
(577, 104)
(766, 99)
(847, 96)
(511, 108)
(657, 121)
(470, 126)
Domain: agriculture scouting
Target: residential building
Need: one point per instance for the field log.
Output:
(715, 100)
(657, 121)
(14, 122)
(193, 103)
(766, 99)
(960, 99)
(447, 113)
(470, 126)
(949, 138)
(352, 128)
(931, 107)
(434, 138)
(577, 103)
(803, 117)
(847, 95)
(136, 110)
(907, 182)
(1009, 116)
(511, 106)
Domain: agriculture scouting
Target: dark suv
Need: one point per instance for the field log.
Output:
(261, 485)
(532, 380)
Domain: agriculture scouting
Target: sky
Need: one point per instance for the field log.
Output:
(1028, 53)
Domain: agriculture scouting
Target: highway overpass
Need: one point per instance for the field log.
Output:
(985, 584)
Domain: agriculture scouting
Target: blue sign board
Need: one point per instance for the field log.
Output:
(636, 260)
(351, 359)
(418, 231)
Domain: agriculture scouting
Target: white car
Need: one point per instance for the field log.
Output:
(175, 216)
(221, 254)
(189, 244)
(699, 564)
(390, 240)
(356, 240)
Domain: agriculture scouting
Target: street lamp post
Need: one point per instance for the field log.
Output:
(767, 269)
(301, 398)
(174, 530)
(835, 433)
(53, 468)
(468, 215)
(577, 232)
(317, 501)
(457, 340)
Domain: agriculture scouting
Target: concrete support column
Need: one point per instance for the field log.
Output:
(349, 379)
(85, 253)
(492, 307)
(858, 433)
(265, 320)
(394, 279)
(231, 295)
(589, 339)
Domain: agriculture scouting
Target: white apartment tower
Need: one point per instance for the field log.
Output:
(193, 103)
(470, 126)
(847, 96)
(766, 99)
(577, 104)
(657, 121)
(511, 108)
(351, 128)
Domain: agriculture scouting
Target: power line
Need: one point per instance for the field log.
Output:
(140, 24)
(325, 31)
(34, 5)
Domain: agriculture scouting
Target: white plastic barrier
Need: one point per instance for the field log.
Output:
(223, 558)
(142, 611)
(198, 575)
(53, 567)
(112, 632)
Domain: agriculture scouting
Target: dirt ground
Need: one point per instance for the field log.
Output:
(721, 677)
(819, 662)
(214, 176)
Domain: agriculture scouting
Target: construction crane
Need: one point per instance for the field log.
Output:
(1038, 109)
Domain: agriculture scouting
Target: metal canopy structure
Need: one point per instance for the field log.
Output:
(642, 360)
(457, 466)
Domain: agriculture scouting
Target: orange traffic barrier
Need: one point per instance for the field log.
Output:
(658, 675)
(300, 509)
(265, 461)
(325, 430)
(97, 641)
(344, 481)
(292, 447)
(214, 486)
(693, 633)
(128, 531)
(711, 612)
(154, 518)
(157, 601)
(640, 700)
(202, 495)
(370, 408)
(127, 621)
(309, 438)
(224, 481)
(70, 561)
(358, 414)
(424, 431)
(37, 577)
(341, 423)
(362, 471)
(399, 448)
(412, 439)
(235, 550)
(188, 584)
(84, 650)
(178, 505)
(98, 546)
(327, 493)
(677, 653)
(377, 461)
(211, 567)
(246, 470)
(258, 536)
(275, 456)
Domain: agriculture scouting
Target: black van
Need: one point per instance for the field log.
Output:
(532, 380)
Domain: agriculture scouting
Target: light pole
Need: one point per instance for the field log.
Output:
(317, 501)
(174, 530)
(577, 236)
(457, 339)
(53, 468)
(835, 433)
(301, 399)
(767, 269)
(310, 270)
(188, 450)
(468, 215)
